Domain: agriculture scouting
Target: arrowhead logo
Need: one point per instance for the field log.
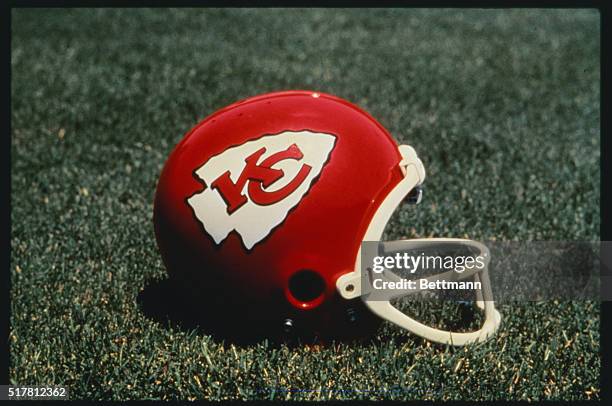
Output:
(252, 187)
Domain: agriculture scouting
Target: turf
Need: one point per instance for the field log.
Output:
(502, 106)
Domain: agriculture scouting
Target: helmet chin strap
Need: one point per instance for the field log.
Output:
(349, 285)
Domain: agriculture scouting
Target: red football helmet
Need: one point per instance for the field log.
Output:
(261, 209)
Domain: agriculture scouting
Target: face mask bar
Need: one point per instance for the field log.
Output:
(349, 285)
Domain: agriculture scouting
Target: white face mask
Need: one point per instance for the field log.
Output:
(351, 285)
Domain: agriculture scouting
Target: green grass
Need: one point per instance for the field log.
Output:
(502, 106)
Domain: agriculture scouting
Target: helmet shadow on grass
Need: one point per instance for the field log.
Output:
(163, 302)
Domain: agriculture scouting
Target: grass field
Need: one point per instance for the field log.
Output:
(502, 106)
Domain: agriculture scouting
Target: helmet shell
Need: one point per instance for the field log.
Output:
(291, 272)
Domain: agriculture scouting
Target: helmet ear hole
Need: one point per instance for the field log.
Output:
(306, 288)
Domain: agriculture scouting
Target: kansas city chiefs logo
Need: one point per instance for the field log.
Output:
(252, 187)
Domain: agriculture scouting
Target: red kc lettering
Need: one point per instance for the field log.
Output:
(260, 177)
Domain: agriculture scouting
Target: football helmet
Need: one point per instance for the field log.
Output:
(261, 209)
